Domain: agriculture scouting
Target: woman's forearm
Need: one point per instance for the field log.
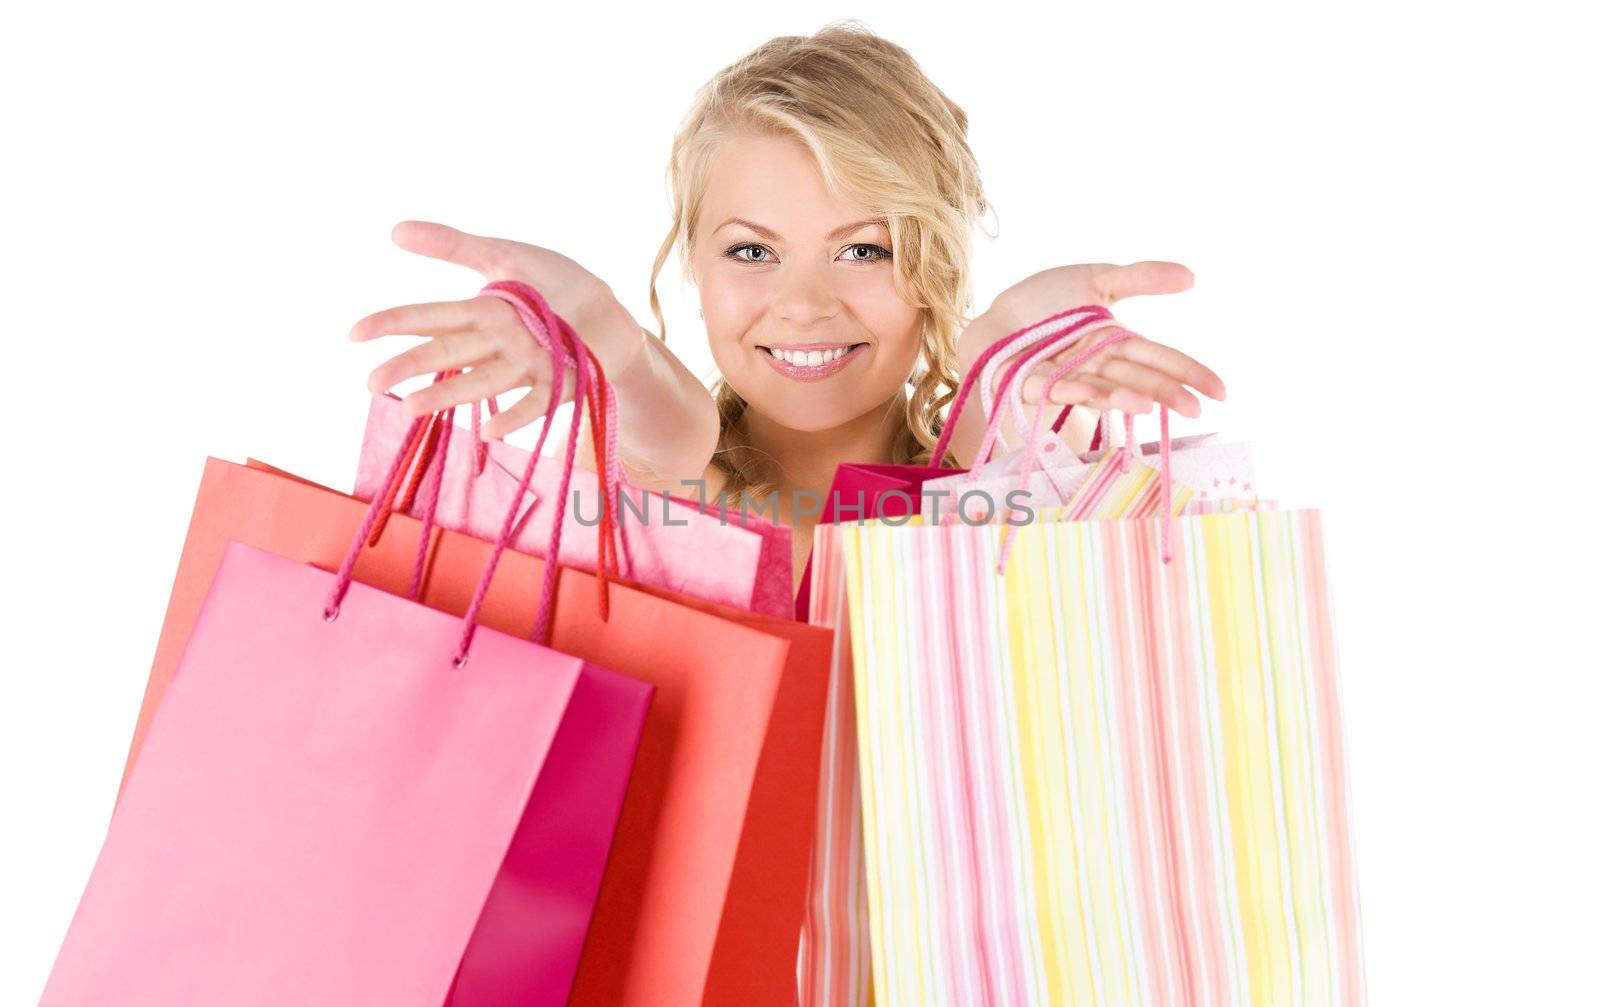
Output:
(667, 424)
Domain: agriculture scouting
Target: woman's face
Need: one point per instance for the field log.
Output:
(782, 265)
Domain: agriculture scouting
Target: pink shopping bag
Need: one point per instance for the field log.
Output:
(668, 536)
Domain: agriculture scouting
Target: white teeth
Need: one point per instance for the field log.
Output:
(809, 358)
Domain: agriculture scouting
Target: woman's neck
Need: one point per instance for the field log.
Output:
(805, 460)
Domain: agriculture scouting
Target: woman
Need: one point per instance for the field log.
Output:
(823, 197)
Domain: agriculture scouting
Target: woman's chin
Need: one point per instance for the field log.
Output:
(815, 412)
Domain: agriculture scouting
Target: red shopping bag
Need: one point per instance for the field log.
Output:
(704, 891)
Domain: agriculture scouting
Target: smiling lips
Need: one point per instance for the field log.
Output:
(812, 361)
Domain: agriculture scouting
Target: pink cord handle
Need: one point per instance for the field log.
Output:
(481, 449)
(539, 321)
(1010, 388)
(1125, 455)
(969, 380)
(603, 419)
(1043, 337)
(1041, 340)
(611, 479)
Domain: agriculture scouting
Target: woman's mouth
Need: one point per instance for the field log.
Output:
(812, 361)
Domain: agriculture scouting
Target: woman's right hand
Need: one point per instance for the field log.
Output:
(484, 334)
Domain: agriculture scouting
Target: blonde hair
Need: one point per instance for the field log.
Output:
(881, 133)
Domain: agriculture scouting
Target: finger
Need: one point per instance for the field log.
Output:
(528, 409)
(1158, 386)
(435, 318)
(466, 349)
(1078, 389)
(1173, 362)
(1114, 283)
(489, 256)
(497, 376)
(1102, 395)
(1087, 390)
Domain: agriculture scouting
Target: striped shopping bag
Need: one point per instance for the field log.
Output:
(835, 967)
(1098, 777)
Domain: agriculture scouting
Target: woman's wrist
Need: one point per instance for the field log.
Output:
(980, 333)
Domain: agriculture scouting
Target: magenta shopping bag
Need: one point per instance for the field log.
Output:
(668, 537)
(863, 492)
(348, 797)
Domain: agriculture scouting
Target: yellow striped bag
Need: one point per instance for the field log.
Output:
(1098, 778)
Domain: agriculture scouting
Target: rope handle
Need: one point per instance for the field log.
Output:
(601, 403)
(1125, 455)
(1011, 389)
(481, 457)
(603, 407)
(540, 320)
(1026, 345)
(971, 378)
(609, 531)
(1044, 339)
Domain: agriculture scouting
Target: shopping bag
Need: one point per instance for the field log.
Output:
(834, 964)
(1101, 777)
(669, 536)
(331, 803)
(589, 761)
(835, 960)
(704, 891)
(1103, 763)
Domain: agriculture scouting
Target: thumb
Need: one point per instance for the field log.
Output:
(1150, 277)
(489, 256)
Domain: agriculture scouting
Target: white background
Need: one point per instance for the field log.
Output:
(1390, 210)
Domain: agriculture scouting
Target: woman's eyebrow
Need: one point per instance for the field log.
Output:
(771, 235)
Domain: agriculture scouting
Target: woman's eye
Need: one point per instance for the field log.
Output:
(733, 253)
(879, 253)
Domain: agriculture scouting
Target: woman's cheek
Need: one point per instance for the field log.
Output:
(898, 332)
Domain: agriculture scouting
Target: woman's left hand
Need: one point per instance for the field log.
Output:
(1131, 375)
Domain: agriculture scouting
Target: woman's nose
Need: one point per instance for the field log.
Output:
(806, 297)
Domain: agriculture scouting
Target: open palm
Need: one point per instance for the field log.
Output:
(1131, 375)
(484, 335)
